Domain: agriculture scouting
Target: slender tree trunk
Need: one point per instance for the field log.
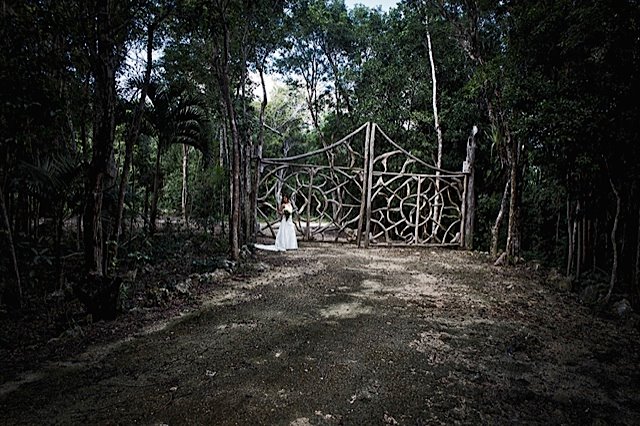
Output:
(437, 211)
(311, 79)
(78, 231)
(340, 90)
(258, 156)
(246, 155)
(570, 237)
(133, 136)
(495, 231)
(84, 137)
(434, 101)
(133, 203)
(578, 226)
(59, 224)
(513, 235)
(145, 209)
(12, 249)
(614, 230)
(234, 226)
(224, 140)
(224, 163)
(100, 173)
(595, 245)
(185, 184)
(636, 272)
(156, 190)
(223, 59)
(585, 240)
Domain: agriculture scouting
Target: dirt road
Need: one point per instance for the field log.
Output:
(334, 335)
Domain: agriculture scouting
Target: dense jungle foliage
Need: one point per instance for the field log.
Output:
(123, 119)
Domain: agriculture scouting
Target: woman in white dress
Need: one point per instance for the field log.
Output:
(286, 236)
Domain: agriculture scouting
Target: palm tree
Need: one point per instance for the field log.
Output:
(55, 183)
(174, 116)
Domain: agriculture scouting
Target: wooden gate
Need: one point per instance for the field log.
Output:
(364, 192)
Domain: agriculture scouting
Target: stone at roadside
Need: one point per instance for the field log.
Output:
(622, 309)
(223, 263)
(559, 281)
(184, 288)
(261, 267)
(245, 252)
(213, 277)
(590, 295)
(157, 296)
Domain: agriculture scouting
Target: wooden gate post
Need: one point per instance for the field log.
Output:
(365, 180)
(416, 233)
(307, 231)
(372, 139)
(470, 196)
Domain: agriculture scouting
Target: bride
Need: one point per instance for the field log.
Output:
(286, 237)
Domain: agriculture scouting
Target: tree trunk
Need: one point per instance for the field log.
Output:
(145, 209)
(569, 237)
(78, 232)
(156, 196)
(636, 271)
(495, 231)
(513, 235)
(185, 184)
(595, 245)
(585, 240)
(576, 238)
(258, 156)
(59, 224)
(340, 90)
(556, 240)
(133, 204)
(226, 165)
(579, 244)
(132, 137)
(437, 208)
(614, 230)
(224, 141)
(99, 175)
(223, 59)
(12, 249)
(245, 159)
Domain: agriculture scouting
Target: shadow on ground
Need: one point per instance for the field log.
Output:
(334, 335)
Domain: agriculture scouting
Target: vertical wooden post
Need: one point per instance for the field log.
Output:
(470, 195)
(415, 236)
(307, 232)
(463, 213)
(372, 139)
(365, 179)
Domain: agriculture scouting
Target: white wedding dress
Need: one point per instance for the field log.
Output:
(286, 237)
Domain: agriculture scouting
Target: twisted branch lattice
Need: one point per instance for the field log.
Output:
(406, 204)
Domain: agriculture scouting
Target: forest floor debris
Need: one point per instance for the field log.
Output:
(333, 335)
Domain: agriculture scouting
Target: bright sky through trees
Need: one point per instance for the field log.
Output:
(385, 5)
(272, 79)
